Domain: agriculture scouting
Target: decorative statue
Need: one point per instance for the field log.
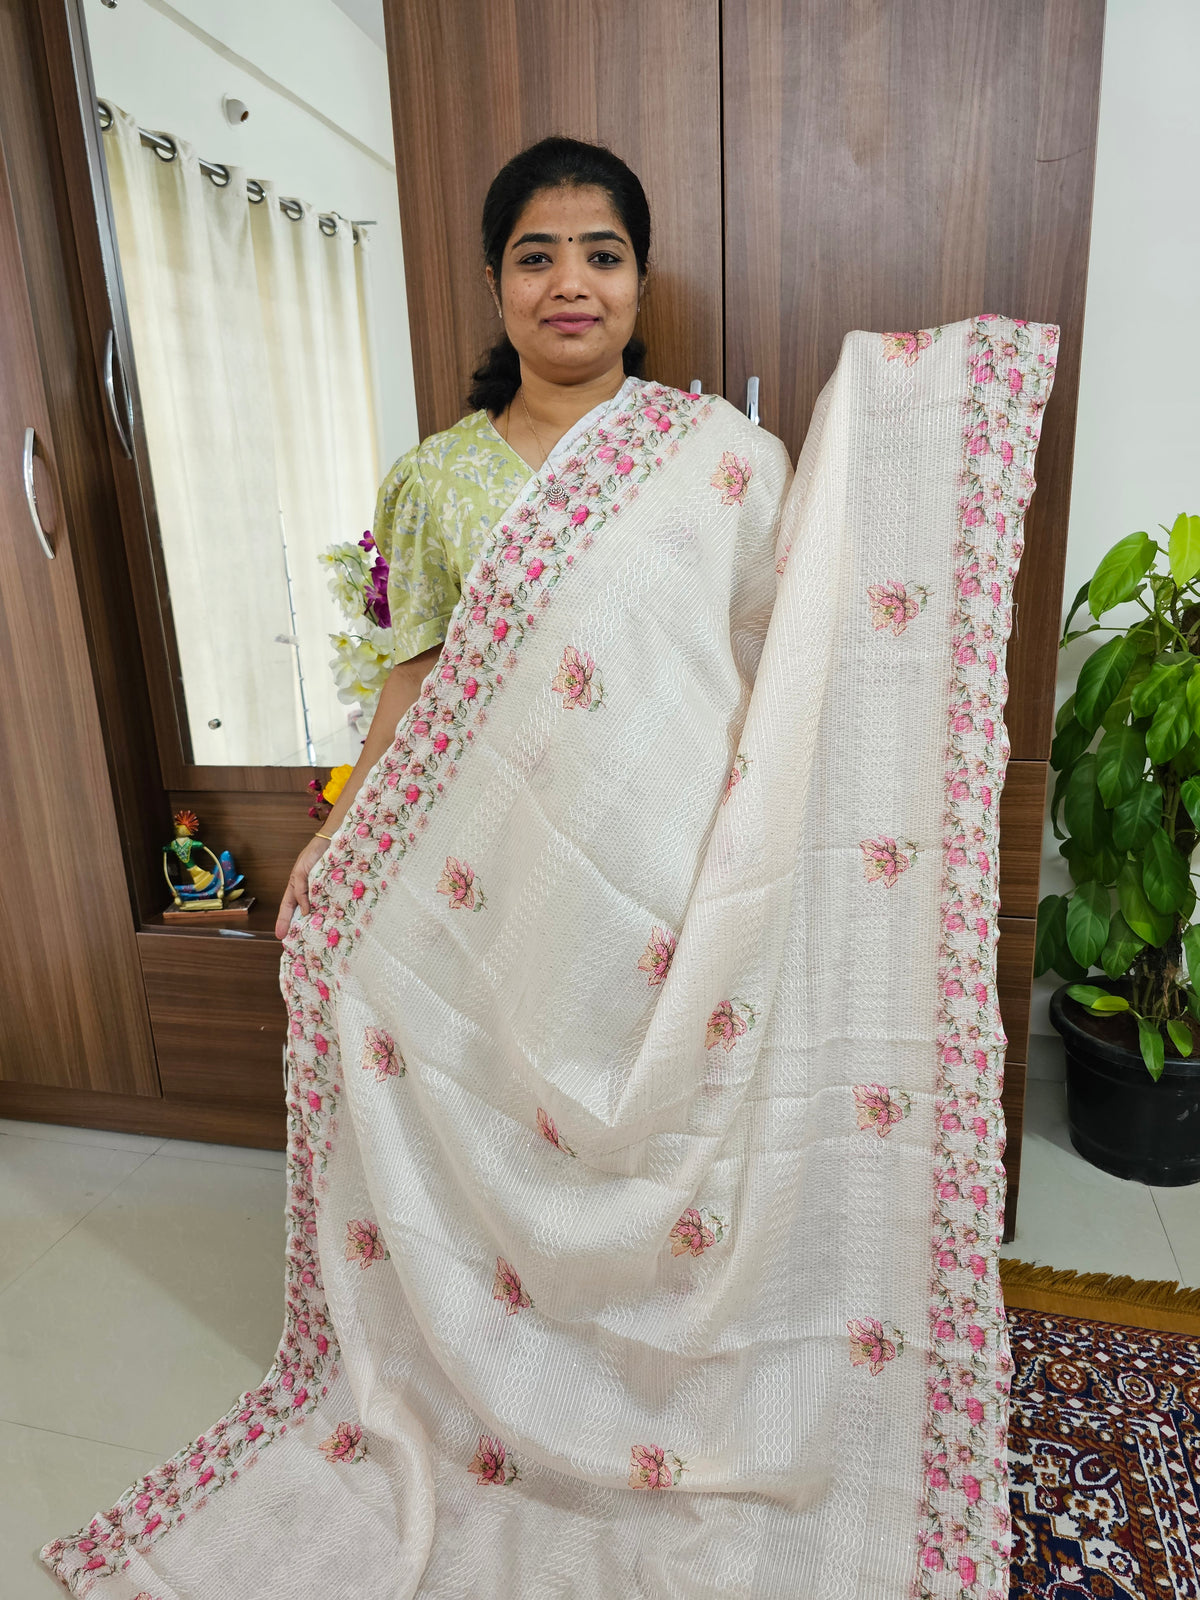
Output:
(195, 886)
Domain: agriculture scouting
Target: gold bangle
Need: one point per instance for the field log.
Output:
(320, 835)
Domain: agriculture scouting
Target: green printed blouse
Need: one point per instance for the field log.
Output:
(434, 512)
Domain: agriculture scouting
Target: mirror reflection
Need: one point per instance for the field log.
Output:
(252, 170)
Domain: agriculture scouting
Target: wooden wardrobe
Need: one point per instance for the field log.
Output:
(813, 166)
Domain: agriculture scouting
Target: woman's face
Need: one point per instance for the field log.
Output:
(568, 285)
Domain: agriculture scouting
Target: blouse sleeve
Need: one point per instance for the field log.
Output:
(422, 587)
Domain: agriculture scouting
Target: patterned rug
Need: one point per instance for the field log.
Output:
(1104, 1446)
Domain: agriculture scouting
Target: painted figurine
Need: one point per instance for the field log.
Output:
(195, 886)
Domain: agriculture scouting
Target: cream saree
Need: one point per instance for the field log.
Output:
(644, 1070)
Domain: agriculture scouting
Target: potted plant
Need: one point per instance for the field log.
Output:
(1126, 805)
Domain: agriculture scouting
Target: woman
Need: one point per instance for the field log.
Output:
(566, 243)
(643, 1056)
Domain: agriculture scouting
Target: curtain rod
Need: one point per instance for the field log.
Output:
(167, 150)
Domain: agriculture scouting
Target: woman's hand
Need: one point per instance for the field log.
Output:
(296, 893)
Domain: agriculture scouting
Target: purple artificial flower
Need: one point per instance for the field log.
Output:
(377, 607)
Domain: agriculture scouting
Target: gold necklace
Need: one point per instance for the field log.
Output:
(532, 429)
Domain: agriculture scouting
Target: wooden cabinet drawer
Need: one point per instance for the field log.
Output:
(217, 1015)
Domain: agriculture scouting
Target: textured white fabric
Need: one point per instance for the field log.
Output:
(645, 1057)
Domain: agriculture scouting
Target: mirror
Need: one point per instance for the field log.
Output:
(251, 167)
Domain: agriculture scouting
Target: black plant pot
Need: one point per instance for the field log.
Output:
(1119, 1118)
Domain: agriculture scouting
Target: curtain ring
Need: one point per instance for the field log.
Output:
(172, 150)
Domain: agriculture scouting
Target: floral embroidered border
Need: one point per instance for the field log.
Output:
(552, 522)
(965, 1508)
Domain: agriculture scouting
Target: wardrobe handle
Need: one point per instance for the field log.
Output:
(696, 387)
(31, 492)
(110, 389)
(752, 400)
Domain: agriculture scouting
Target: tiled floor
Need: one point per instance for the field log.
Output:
(142, 1290)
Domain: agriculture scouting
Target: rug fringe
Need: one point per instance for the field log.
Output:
(1134, 1302)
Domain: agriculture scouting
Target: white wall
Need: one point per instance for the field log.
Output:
(319, 126)
(1137, 441)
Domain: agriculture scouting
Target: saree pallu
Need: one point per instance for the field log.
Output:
(645, 1177)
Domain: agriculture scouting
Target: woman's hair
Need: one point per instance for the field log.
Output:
(552, 164)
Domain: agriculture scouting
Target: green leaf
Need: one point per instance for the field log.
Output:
(1100, 680)
(1187, 761)
(1088, 916)
(1181, 1034)
(1150, 924)
(1076, 603)
(1069, 745)
(1191, 950)
(1056, 798)
(1103, 865)
(1189, 793)
(1134, 819)
(1153, 1053)
(1170, 730)
(1064, 713)
(1120, 762)
(1123, 945)
(1156, 686)
(1083, 809)
(1120, 572)
(1050, 952)
(1193, 1002)
(1087, 994)
(1165, 875)
(1111, 1002)
(1183, 548)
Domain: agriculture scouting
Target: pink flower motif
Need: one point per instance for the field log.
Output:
(886, 860)
(577, 682)
(489, 1465)
(624, 466)
(458, 882)
(657, 419)
(657, 956)
(344, 1444)
(868, 1347)
(364, 1243)
(908, 345)
(580, 515)
(537, 566)
(507, 1287)
(727, 1024)
(892, 606)
(648, 1468)
(737, 773)
(380, 1055)
(549, 1132)
(690, 1234)
(732, 478)
(880, 1108)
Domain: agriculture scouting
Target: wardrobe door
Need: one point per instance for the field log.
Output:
(74, 1013)
(904, 166)
(475, 81)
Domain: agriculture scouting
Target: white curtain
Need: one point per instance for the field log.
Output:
(252, 350)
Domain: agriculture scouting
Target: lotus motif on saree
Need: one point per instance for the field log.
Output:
(620, 1379)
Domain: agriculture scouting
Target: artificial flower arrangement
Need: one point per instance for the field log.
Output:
(1131, 801)
(363, 654)
(328, 791)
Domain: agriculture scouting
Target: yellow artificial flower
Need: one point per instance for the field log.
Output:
(337, 782)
